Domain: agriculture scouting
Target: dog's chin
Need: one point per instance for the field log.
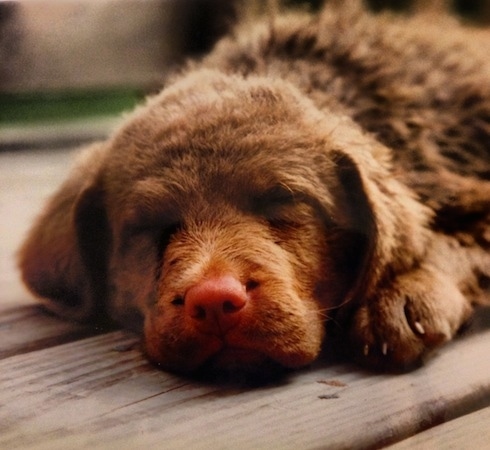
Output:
(228, 362)
(235, 357)
(239, 366)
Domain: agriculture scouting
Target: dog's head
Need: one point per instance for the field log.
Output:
(233, 216)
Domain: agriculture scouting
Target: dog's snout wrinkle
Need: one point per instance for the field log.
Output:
(215, 304)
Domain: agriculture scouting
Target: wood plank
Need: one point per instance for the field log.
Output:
(28, 327)
(469, 431)
(93, 394)
(50, 134)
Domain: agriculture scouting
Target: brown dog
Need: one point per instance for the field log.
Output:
(324, 167)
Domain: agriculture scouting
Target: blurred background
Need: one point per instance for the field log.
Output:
(69, 67)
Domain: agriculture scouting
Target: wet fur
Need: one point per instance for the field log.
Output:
(337, 165)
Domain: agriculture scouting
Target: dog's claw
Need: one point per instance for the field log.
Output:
(366, 350)
(384, 348)
(419, 327)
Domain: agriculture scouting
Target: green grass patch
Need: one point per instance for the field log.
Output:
(27, 109)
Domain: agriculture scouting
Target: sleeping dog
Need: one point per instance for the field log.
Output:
(317, 172)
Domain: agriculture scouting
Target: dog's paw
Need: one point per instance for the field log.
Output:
(419, 311)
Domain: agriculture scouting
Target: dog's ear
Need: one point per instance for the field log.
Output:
(64, 258)
(385, 223)
(353, 245)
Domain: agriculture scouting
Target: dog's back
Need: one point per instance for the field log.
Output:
(419, 83)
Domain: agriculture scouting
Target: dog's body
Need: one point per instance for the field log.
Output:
(336, 166)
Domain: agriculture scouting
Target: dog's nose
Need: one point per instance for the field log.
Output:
(216, 304)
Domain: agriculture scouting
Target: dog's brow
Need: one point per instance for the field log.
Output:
(149, 201)
(151, 188)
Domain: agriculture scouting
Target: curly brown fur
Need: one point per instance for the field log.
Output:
(326, 167)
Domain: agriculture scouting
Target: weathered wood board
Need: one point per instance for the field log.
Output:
(470, 431)
(100, 391)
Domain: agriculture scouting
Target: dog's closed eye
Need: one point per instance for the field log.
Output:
(165, 236)
(271, 203)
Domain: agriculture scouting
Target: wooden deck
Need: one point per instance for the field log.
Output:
(66, 386)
